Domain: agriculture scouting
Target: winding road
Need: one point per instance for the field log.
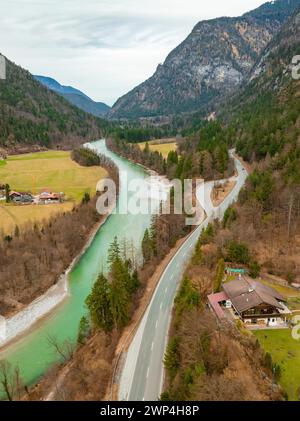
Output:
(143, 371)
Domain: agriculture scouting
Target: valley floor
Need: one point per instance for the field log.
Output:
(51, 170)
(163, 146)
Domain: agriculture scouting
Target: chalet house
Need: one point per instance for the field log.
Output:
(23, 198)
(252, 302)
(47, 197)
(14, 194)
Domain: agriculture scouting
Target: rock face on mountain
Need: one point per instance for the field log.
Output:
(214, 59)
(266, 109)
(75, 97)
(275, 65)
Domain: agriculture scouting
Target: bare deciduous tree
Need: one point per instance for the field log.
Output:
(11, 381)
(64, 350)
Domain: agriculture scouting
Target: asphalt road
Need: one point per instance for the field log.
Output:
(142, 374)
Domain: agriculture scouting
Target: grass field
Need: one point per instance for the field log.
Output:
(294, 303)
(10, 216)
(34, 172)
(285, 351)
(52, 170)
(287, 292)
(291, 294)
(163, 148)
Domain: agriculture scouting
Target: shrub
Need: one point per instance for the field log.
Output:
(254, 269)
(230, 215)
(238, 253)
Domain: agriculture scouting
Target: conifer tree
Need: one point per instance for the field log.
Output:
(99, 304)
(147, 247)
(119, 299)
(114, 251)
(135, 282)
(220, 275)
(198, 255)
(84, 330)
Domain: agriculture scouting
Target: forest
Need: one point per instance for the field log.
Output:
(203, 154)
(137, 133)
(32, 115)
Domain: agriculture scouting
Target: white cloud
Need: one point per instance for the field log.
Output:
(103, 47)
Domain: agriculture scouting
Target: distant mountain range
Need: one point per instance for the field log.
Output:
(214, 60)
(75, 97)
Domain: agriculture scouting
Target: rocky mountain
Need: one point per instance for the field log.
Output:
(274, 67)
(214, 60)
(274, 71)
(265, 113)
(75, 97)
(32, 115)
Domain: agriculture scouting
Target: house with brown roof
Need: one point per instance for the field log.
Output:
(47, 197)
(14, 194)
(252, 302)
(20, 198)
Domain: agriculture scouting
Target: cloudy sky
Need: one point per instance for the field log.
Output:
(103, 47)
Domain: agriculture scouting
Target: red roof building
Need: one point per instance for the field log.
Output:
(214, 301)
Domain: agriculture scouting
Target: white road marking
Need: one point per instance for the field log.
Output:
(184, 253)
(156, 324)
(191, 246)
(152, 345)
(160, 305)
(147, 373)
(172, 276)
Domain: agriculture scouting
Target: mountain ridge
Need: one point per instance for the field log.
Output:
(216, 57)
(32, 115)
(264, 114)
(75, 96)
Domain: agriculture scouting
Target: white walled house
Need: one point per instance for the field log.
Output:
(254, 303)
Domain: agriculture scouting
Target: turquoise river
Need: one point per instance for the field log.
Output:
(32, 353)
